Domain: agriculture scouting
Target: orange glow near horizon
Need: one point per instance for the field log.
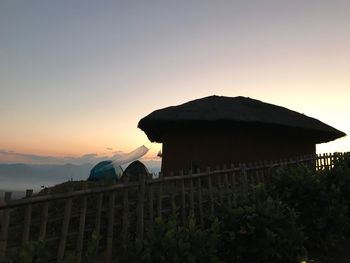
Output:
(74, 81)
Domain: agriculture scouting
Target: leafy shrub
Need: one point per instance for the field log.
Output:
(33, 252)
(168, 242)
(318, 202)
(261, 229)
(339, 175)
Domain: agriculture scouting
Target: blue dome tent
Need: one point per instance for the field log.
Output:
(105, 170)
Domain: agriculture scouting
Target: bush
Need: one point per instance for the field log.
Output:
(317, 198)
(33, 252)
(261, 229)
(168, 242)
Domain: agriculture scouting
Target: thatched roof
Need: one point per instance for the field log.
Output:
(238, 112)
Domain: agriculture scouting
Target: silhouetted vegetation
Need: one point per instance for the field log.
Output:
(300, 213)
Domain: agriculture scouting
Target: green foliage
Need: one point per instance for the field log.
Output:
(166, 241)
(33, 252)
(90, 253)
(339, 175)
(318, 199)
(92, 248)
(37, 252)
(261, 229)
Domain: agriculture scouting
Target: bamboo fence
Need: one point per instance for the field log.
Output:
(120, 212)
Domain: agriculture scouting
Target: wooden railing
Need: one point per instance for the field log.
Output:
(118, 212)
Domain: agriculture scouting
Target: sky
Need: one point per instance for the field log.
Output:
(77, 76)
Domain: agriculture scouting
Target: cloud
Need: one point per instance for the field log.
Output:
(7, 156)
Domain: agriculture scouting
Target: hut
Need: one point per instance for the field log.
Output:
(218, 130)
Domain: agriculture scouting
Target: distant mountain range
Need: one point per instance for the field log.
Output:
(25, 176)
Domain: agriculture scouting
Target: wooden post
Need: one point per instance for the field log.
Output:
(5, 222)
(200, 202)
(221, 198)
(328, 161)
(211, 197)
(98, 215)
(191, 197)
(233, 184)
(250, 177)
(81, 230)
(244, 179)
(110, 227)
(324, 160)
(160, 196)
(172, 194)
(150, 203)
(44, 220)
(27, 219)
(125, 223)
(227, 188)
(256, 173)
(183, 199)
(261, 172)
(140, 207)
(64, 230)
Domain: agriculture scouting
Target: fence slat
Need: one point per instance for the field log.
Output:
(183, 199)
(140, 207)
(191, 198)
(64, 230)
(110, 227)
(125, 222)
(211, 196)
(233, 186)
(172, 195)
(244, 179)
(200, 202)
(221, 198)
(5, 222)
(27, 219)
(80, 240)
(150, 204)
(228, 192)
(44, 220)
(160, 196)
(98, 218)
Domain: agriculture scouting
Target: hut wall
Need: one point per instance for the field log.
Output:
(192, 151)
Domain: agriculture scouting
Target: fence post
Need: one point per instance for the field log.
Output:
(211, 197)
(27, 219)
(233, 184)
(200, 202)
(5, 222)
(80, 240)
(110, 227)
(140, 207)
(227, 188)
(44, 219)
(191, 196)
(221, 198)
(244, 179)
(125, 222)
(64, 231)
(172, 194)
(160, 196)
(183, 198)
(98, 217)
(150, 203)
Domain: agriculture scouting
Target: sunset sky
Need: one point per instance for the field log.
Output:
(77, 76)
